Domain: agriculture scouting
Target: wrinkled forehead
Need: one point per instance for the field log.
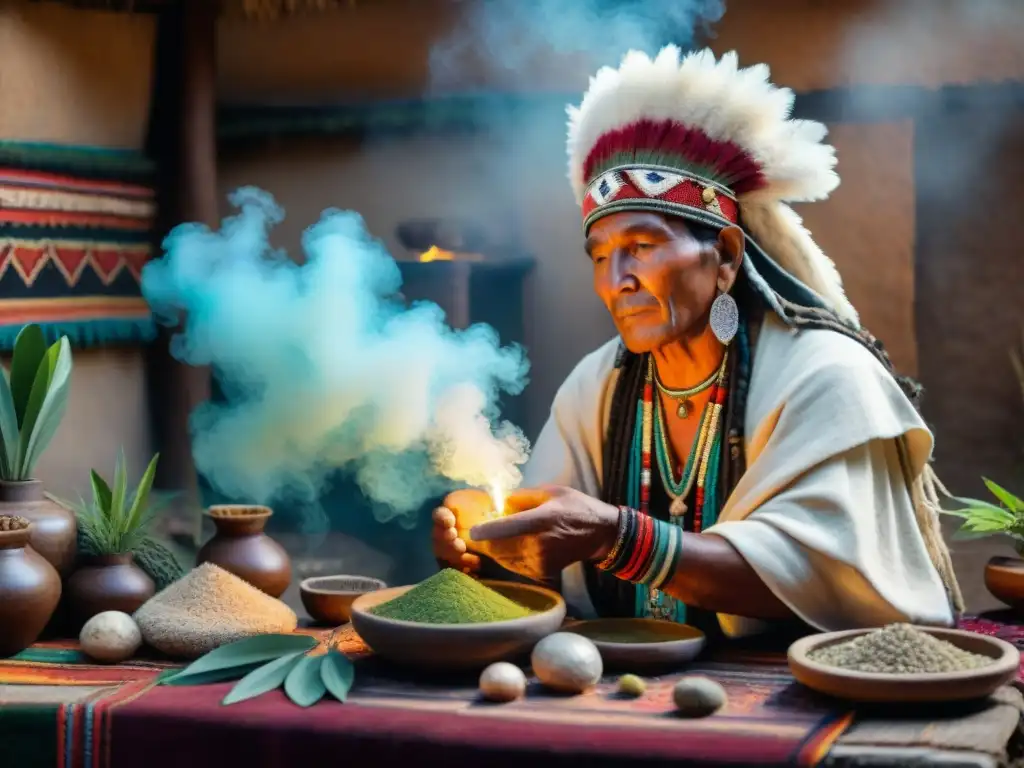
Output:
(628, 225)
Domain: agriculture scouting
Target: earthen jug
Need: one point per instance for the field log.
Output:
(54, 529)
(107, 583)
(29, 591)
(241, 547)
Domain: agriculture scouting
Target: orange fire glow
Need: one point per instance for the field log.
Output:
(433, 253)
(436, 254)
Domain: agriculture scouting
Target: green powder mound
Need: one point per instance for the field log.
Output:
(451, 597)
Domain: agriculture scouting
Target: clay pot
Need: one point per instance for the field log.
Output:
(240, 546)
(54, 529)
(1004, 578)
(29, 591)
(108, 583)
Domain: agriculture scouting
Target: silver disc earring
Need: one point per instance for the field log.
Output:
(725, 318)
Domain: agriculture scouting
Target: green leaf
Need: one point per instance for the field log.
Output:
(119, 492)
(100, 490)
(338, 673)
(263, 679)
(981, 525)
(46, 406)
(141, 499)
(213, 675)
(8, 430)
(29, 350)
(261, 648)
(1011, 502)
(304, 684)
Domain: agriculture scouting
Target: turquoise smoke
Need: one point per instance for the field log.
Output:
(324, 368)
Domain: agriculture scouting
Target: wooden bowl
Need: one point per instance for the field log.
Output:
(665, 644)
(1004, 578)
(459, 647)
(936, 687)
(328, 599)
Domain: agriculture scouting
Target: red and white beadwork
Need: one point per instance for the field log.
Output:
(658, 189)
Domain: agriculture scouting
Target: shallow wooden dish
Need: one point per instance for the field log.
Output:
(1004, 578)
(670, 644)
(459, 646)
(328, 599)
(933, 688)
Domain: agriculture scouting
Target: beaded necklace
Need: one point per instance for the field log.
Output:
(700, 469)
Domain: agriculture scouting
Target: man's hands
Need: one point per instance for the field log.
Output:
(559, 527)
(464, 509)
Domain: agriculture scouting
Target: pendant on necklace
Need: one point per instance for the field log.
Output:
(678, 507)
(683, 409)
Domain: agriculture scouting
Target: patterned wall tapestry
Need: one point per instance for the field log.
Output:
(76, 228)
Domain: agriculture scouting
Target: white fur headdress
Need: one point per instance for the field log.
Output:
(706, 140)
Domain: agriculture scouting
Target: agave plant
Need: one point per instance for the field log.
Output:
(33, 398)
(266, 662)
(116, 520)
(982, 518)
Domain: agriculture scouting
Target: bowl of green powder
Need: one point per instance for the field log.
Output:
(903, 663)
(451, 621)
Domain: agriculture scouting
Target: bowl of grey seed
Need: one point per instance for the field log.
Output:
(903, 663)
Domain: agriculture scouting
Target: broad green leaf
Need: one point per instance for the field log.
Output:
(338, 673)
(264, 679)
(37, 395)
(213, 676)
(304, 685)
(8, 430)
(1011, 502)
(100, 490)
(41, 421)
(141, 499)
(261, 648)
(29, 350)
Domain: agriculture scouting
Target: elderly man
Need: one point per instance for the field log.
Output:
(743, 451)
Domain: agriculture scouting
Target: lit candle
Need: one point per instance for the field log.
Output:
(498, 496)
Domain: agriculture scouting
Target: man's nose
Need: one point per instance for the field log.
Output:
(622, 273)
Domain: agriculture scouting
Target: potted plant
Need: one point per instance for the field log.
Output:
(33, 398)
(1004, 576)
(113, 525)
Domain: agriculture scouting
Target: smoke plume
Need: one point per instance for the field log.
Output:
(324, 367)
(510, 42)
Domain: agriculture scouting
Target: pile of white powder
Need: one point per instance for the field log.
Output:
(898, 649)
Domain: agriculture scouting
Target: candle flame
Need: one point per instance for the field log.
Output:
(498, 496)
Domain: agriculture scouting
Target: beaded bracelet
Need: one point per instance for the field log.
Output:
(646, 551)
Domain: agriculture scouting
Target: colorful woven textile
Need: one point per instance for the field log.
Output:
(120, 719)
(76, 228)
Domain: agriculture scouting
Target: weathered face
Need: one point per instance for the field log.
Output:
(656, 278)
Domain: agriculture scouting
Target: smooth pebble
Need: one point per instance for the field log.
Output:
(698, 696)
(110, 637)
(502, 682)
(567, 662)
(631, 685)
